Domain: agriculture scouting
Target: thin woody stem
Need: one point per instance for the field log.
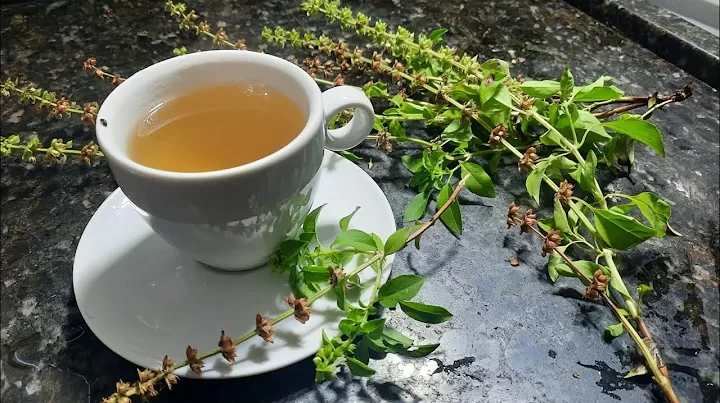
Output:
(36, 99)
(660, 376)
(440, 211)
(44, 150)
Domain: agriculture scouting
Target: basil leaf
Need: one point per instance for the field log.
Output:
(561, 221)
(567, 84)
(534, 179)
(416, 209)
(621, 231)
(614, 330)
(358, 368)
(451, 217)
(640, 130)
(398, 289)
(345, 221)
(540, 89)
(479, 181)
(354, 238)
(311, 219)
(425, 313)
(397, 240)
(417, 352)
(392, 337)
(374, 326)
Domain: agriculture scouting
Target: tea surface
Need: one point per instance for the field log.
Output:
(215, 128)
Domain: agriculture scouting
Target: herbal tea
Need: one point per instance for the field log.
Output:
(215, 128)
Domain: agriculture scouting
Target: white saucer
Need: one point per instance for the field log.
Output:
(144, 299)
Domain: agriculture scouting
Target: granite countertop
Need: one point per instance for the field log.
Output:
(515, 336)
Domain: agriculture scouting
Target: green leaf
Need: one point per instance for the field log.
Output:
(540, 89)
(412, 162)
(417, 352)
(378, 90)
(339, 290)
(361, 352)
(379, 244)
(617, 283)
(451, 217)
(597, 91)
(345, 221)
(436, 35)
(416, 209)
(311, 219)
(396, 129)
(354, 238)
(586, 125)
(358, 368)
(554, 261)
(347, 327)
(567, 84)
(534, 179)
(479, 181)
(614, 330)
(401, 288)
(350, 156)
(598, 94)
(561, 222)
(411, 110)
(397, 240)
(392, 337)
(643, 289)
(585, 175)
(425, 313)
(375, 326)
(640, 130)
(551, 138)
(457, 131)
(589, 268)
(499, 69)
(496, 103)
(620, 231)
(656, 210)
(315, 274)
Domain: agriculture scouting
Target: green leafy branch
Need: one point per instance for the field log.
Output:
(56, 152)
(362, 337)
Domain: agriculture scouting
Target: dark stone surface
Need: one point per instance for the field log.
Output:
(515, 336)
(669, 36)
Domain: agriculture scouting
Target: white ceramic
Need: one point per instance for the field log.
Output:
(233, 218)
(144, 299)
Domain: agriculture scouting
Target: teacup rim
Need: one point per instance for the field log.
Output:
(314, 120)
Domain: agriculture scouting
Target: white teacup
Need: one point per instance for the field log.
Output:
(234, 218)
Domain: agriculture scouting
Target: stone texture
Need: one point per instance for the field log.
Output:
(515, 336)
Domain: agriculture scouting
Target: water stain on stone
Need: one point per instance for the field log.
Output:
(463, 362)
(610, 379)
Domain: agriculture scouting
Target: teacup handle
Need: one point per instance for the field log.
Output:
(354, 132)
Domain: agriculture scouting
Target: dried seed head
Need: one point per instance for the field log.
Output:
(497, 134)
(383, 143)
(317, 63)
(357, 53)
(204, 27)
(442, 95)
(528, 221)
(403, 94)
(527, 103)
(526, 162)
(468, 110)
(420, 80)
(552, 240)
(61, 107)
(597, 286)
(341, 49)
(99, 74)
(145, 375)
(90, 113)
(335, 275)
(196, 365)
(377, 57)
(240, 45)
(264, 328)
(512, 215)
(328, 68)
(117, 79)
(220, 37)
(302, 310)
(89, 64)
(339, 80)
(122, 387)
(565, 192)
(227, 348)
